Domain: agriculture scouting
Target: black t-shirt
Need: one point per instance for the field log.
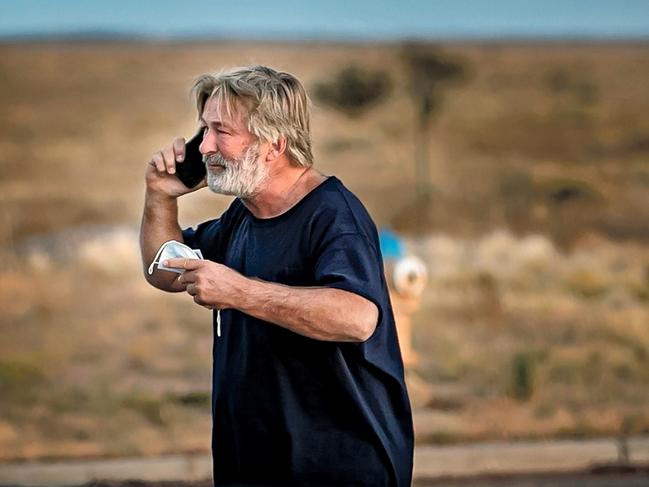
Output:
(292, 410)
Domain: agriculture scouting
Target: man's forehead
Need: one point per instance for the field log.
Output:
(216, 112)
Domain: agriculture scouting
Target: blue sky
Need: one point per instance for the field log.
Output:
(331, 19)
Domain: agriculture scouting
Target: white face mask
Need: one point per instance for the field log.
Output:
(173, 250)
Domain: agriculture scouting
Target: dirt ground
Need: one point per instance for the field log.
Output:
(624, 477)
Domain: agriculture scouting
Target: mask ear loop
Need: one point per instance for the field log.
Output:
(157, 256)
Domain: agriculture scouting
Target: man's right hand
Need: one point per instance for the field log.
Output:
(160, 172)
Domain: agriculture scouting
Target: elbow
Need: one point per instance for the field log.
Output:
(367, 322)
(157, 282)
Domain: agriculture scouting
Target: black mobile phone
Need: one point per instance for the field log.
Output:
(192, 170)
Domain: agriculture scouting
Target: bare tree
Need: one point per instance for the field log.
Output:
(429, 73)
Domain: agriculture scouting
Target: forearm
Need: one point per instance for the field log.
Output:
(159, 224)
(319, 313)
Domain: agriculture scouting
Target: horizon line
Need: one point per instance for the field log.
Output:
(108, 35)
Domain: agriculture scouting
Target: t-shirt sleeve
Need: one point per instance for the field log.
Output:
(351, 263)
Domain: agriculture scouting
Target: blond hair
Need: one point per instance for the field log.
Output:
(275, 103)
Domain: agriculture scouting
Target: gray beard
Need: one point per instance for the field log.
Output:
(243, 177)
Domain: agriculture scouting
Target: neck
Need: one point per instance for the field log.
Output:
(283, 190)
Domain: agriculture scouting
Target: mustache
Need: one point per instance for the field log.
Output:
(216, 159)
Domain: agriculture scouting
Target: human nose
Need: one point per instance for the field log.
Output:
(208, 144)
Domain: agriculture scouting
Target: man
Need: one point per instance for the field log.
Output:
(308, 384)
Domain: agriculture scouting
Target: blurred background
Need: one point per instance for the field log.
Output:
(505, 144)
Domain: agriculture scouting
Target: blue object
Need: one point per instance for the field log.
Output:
(391, 246)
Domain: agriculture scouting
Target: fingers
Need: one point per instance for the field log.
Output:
(190, 281)
(180, 280)
(158, 161)
(205, 305)
(178, 146)
(188, 264)
(169, 159)
(187, 278)
(192, 290)
(165, 160)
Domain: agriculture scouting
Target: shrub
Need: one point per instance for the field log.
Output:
(522, 378)
(19, 381)
(587, 283)
(354, 90)
(148, 407)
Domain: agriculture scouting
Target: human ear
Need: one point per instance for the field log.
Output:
(276, 149)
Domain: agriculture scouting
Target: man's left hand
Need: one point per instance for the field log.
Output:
(212, 285)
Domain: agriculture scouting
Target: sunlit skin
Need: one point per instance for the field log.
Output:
(317, 312)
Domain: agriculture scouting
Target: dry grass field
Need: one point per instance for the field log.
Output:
(536, 319)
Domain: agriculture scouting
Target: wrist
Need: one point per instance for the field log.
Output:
(156, 198)
(242, 288)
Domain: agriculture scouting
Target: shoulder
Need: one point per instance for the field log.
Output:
(337, 202)
(341, 212)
